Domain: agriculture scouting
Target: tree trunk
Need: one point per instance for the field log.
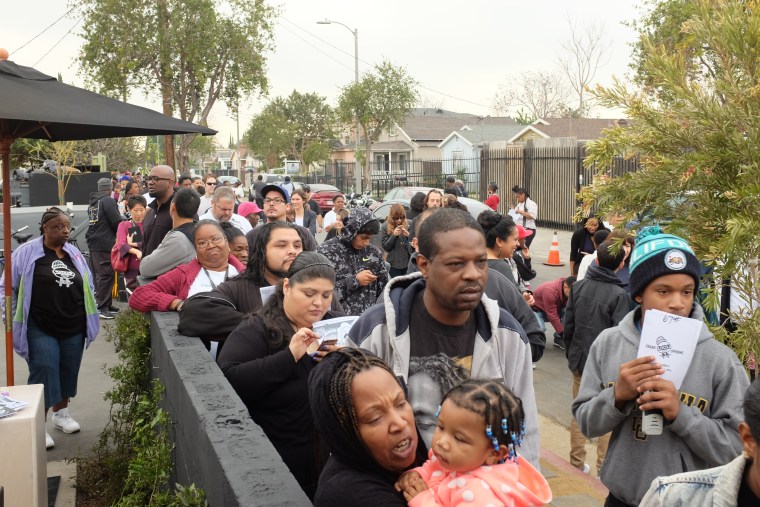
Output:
(166, 89)
(366, 183)
(184, 153)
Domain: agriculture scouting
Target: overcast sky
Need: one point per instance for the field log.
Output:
(459, 51)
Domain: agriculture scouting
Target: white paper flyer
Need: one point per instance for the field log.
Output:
(671, 339)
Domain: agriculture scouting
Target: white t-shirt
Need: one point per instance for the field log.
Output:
(205, 205)
(239, 192)
(329, 219)
(241, 223)
(202, 282)
(585, 263)
(532, 208)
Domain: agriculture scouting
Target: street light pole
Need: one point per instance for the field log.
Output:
(357, 170)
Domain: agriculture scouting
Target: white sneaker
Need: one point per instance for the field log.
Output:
(586, 469)
(64, 422)
(49, 444)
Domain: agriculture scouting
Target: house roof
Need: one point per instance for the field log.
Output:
(391, 146)
(426, 124)
(490, 133)
(224, 153)
(583, 129)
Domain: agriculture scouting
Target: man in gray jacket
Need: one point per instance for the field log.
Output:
(177, 246)
(443, 310)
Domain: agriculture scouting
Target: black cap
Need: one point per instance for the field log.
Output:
(451, 179)
(275, 188)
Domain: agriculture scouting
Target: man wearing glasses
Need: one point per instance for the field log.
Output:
(157, 220)
(210, 183)
(275, 208)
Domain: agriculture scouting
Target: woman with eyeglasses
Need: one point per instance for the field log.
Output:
(395, 241)
(212, 266)
(57, 316)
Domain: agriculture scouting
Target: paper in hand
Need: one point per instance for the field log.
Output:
(266, 293)
(672, 340)
(335, 329)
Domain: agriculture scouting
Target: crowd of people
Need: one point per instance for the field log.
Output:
(429, 400)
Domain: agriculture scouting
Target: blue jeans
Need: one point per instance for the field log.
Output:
(54, 363)
(542, 318)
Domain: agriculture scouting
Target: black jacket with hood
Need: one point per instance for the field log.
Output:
(104, 221)
(351, 477)
(348, 262)
(596, 303)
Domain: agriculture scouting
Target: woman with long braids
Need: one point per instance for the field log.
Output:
(55, 315)
(362, 414)
(267, 359)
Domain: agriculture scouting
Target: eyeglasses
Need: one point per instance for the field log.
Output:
(154, 179)
(205, 243)
(276, 200)
(59, 228)
(211, 183)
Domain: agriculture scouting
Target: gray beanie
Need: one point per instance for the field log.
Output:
(104, 184)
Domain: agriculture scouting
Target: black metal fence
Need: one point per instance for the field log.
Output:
(553, 176)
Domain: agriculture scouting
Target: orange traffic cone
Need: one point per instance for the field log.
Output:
(554, 253)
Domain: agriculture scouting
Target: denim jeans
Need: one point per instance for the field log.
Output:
(54, 363)
(541, 317)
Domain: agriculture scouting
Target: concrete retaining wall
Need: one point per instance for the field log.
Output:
(217, 445)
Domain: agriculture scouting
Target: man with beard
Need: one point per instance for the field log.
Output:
(177, 246)
(276, 206)
(443, 310)
(158, 222)
(214, 315)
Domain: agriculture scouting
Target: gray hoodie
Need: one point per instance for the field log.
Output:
(703, 435)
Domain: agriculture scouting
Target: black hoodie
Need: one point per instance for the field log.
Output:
(351, 476)
(104, 221)
(596, 303)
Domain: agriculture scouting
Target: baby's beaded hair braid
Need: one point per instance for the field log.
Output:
(501, 409)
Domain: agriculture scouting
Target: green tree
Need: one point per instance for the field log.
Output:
(201, 147)
(699, 152)
(300, 126)
(660, 25)
(190, 53)
(380, 100)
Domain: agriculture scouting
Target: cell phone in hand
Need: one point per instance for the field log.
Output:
(138, 237)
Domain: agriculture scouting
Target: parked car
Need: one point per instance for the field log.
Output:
(474, 207)
(231, 179)
(322, 193)
(402, 193)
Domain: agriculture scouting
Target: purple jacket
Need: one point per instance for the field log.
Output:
(22, 273)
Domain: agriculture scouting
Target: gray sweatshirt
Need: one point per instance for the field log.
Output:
(703, 435)
(174, 250)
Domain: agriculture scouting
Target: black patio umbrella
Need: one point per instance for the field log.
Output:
(37, 106)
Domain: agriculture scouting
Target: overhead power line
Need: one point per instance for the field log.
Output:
(364, 61)
(43, 31)
(59, 41)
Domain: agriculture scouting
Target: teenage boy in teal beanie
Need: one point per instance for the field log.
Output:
(701, 421)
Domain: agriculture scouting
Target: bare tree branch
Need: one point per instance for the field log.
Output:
(585, 52)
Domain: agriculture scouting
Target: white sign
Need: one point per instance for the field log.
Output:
(266, 293)
(335, 329)
(671, 339)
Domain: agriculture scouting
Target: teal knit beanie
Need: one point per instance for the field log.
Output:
(657, 254)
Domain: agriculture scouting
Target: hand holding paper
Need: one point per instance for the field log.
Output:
(672, 340)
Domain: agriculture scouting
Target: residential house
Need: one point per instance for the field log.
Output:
(420, 136)
(581, 129)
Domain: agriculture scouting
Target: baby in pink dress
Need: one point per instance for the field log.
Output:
(473, 460)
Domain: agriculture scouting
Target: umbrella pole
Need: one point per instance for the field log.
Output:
(5, 152)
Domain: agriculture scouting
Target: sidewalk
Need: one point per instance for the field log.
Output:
(570, 487)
